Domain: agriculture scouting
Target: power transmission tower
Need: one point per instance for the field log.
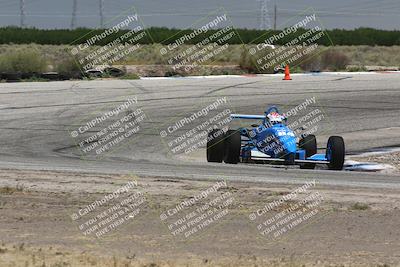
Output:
(22, 8)
(101, 6)
(275, 14)
(74, 11)
(265, 22)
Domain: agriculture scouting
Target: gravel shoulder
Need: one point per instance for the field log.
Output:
(352, 227)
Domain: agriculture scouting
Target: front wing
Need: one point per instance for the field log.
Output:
(316, 158)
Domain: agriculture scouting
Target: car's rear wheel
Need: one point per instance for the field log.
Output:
(215, 146)
(335, 152)
(232, 147)
(309, 144)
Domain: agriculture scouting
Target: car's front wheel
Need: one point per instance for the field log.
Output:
(232, 147)
(215, 146)
(335, 152)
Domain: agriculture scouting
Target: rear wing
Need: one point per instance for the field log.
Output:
(249, 117)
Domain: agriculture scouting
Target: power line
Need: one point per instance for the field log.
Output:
(265, 22)
(236, 14)
(275, 11)
(348, 14)
(74, 11)
(22, 11)
(101, 8)
(282, 12)
(9, 5)
(365, 5)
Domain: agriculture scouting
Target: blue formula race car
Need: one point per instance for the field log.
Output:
(274, 142)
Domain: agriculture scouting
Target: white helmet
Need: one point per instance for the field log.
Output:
(274, 118)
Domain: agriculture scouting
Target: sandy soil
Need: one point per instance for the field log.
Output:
(351, 226)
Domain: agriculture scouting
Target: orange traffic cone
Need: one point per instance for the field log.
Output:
(287, 73)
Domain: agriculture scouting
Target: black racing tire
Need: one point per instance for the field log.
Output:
(337, 152)
(12, 77)
(215, 146)
(232, 147)
(50, 76)
(309, 144)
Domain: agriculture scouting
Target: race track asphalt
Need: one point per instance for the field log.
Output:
(37, 121)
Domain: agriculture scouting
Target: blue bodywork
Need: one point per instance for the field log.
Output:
(276, 141)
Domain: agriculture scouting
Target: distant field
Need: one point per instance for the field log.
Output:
(360, 36)
(57, 57)
(26, 51)
(149, 54)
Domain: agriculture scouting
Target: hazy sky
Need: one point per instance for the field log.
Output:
(383, 14)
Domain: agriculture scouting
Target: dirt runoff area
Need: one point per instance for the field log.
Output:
(50, 218)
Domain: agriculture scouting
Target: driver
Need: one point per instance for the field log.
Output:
(275, 118)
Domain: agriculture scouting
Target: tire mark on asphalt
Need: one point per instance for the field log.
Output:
(169, 98)
(34, 92)
(204, 95)
(343, 78)
(138, 86)
(228, 87)
(327, 106)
